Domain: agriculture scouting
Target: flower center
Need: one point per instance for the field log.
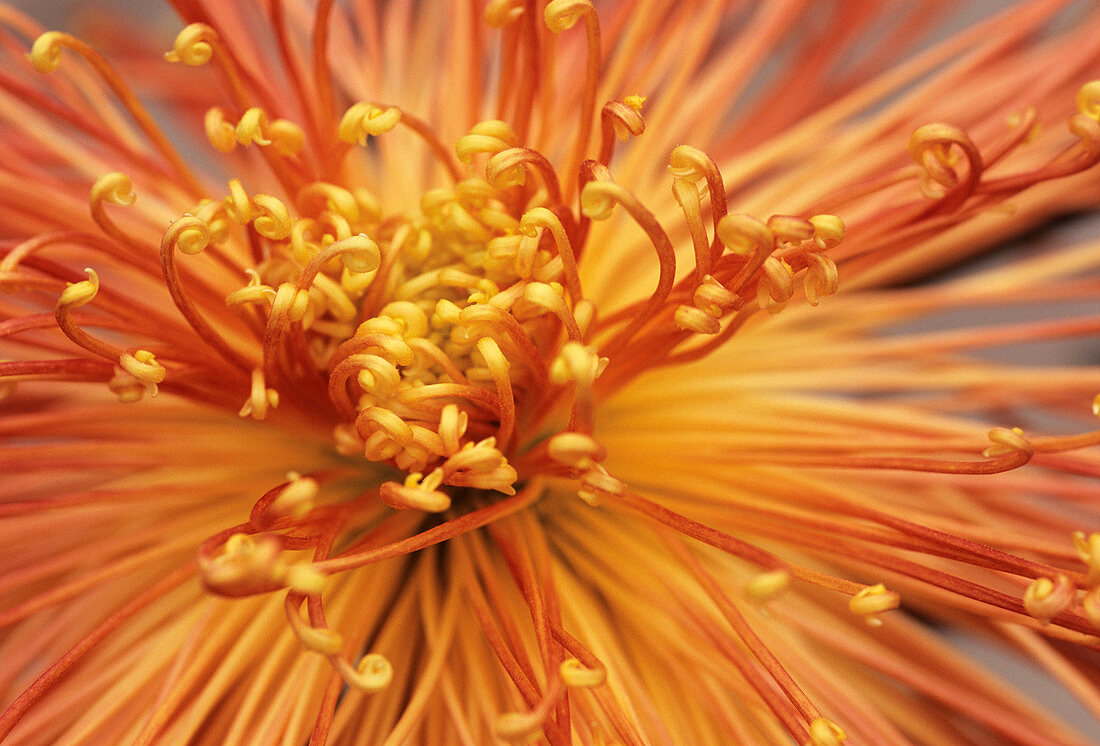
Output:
(455, 344)
(447, 338)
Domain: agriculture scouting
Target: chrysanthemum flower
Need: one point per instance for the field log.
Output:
(464, 373)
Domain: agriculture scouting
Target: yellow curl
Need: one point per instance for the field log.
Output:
(744, 234)
(80, 293)
(273, 220)
(193, 45)
(1088, 100)
(114, 188)
(189, 235)
(561, 15)
(363, 120)
(598, 199)
(46, 51)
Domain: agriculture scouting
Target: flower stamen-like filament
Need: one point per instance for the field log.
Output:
(480, 465)
(1046, 598)
(1088, 549)
(220, 131)
(499, 370)
(114, 189)
(288, 504)
(541, 218)
(794, 704)
(559, 16)
(687, 196)
(550, 298)
(485, 138)
(620, 120)
(597, 483)
(508, 168)
(575, 450)
(75, 295)
(418, 493)
(767, 585)
(1077, 157)
(142, 366)
(1090, 606)
(936, 148)
(253, 292)
(363, 120)
(45, 55)
(518, 727)
(710, 301)
(689, 165)
(1009, 450)
(576, 675)
(243, 564)
(137, 368)
(597, 200)
(284, 136)
(196, 45)
(189, 235)
(260, 399)
(372, 674)
(971, 552)
(824, 732)
(822, 278)
(872, 601)
(763, 260)
(776, 285)
(953, 172)
(500, 13)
